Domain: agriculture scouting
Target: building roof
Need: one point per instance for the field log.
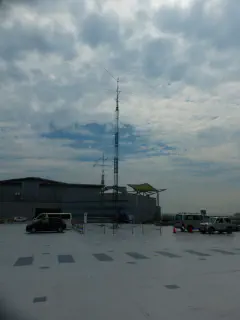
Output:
(111, 188)
(49, 182)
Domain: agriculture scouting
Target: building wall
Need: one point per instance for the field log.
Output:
(48, 193)
(22, 198)
(9, 192)
(141, 207)
(80, 194)
(52, 193)
(24, 209)
(30, 190)
(67, 198)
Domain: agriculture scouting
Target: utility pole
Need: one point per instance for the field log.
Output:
(116, 150)
(102, 165)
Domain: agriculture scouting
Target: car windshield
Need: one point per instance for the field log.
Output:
(212, 219)
(178, 217)
(36, 220)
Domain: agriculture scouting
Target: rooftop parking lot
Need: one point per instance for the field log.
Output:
(133, 274)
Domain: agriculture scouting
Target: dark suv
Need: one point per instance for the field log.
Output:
(50, 224)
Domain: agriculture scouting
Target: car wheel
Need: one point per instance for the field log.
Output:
(211, 230)
(60, 229)
(229, 231)
(33, 230)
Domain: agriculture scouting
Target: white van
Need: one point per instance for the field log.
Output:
(67, 217)
(188, 221)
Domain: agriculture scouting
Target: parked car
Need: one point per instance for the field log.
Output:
(217, 224)
(124, 217)
(51, 224)
(19, 219)
(189, 221)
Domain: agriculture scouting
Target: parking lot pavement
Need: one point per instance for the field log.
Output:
(132, 274)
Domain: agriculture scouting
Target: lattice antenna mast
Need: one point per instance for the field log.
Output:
(102, 165)
(116, 142)
(116, 145)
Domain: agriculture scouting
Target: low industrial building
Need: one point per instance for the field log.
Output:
(30, 196)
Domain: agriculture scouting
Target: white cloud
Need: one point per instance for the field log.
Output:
(179, 77)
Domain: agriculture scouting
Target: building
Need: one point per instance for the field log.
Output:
(30, 196)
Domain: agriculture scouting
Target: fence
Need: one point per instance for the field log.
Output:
(113, 228)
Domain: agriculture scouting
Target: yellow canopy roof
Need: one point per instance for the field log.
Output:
(144, 187)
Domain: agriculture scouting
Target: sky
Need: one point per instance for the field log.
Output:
(178, 65)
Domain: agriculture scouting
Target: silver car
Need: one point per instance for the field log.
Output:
(217, 224)
(20, 219)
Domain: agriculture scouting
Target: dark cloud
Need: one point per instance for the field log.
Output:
(31, 3)
(157, 54)
(20, 39)
(37, 73)
(100, 29)
(209, 42)
(125, 60)
(177, 71)
(217, 136)
(12, 73)
(186, 51)
(217, 26)
(48, 91)
(200, 168)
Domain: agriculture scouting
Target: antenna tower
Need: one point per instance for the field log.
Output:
(116, 145)
(102, 165)
(116, 148)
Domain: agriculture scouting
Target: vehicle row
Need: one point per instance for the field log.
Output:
(203, 223)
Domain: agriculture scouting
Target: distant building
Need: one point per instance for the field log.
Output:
(31, 196)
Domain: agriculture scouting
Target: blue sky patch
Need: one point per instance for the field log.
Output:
(101, 137)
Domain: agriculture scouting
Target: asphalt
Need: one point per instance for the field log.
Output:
(132, 274)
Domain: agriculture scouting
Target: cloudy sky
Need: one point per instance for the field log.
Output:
(179, 69)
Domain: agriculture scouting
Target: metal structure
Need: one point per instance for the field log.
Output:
(116, 145)
(116, 149)
(102, 165)
(146, 189)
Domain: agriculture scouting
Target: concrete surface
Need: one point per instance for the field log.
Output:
(122, 276)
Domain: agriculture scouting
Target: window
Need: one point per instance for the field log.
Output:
(65, 216)
(197, 217)
(178, 217)
(189, 217)
(42, 216)
(227, 220)
(55, 215)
